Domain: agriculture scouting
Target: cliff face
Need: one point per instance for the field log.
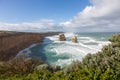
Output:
(12, 43)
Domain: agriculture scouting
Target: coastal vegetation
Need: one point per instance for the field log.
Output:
(104, 65)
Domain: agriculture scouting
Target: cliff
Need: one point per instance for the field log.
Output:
(12, 42)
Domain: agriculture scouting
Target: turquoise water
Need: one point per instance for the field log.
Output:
(63, 53)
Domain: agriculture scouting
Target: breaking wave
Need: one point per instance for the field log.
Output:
(63, 53)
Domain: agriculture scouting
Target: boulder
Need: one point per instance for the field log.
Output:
(74, 39)
(42, 66)
(62, 37)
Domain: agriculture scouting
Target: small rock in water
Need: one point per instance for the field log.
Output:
(74, 39)
(62, 37)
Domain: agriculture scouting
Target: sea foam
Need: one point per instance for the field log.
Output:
(64, 52)
(76, 50)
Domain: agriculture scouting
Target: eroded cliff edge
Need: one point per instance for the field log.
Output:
(12, 42)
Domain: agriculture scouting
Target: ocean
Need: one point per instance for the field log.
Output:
(62, 53)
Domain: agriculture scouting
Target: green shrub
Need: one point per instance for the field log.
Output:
(20, 65)
(104, 65)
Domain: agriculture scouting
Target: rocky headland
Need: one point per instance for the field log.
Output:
(12, 42)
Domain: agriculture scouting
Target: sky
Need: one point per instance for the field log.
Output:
(60, 15)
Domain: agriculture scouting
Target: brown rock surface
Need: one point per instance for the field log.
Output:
(62, 37)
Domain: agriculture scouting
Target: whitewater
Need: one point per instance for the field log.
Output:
(62, 53)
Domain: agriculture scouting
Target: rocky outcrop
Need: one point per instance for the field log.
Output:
(42, 67)
(62, 37)
(74, 39)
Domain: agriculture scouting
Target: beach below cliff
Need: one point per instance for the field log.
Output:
(13, 42)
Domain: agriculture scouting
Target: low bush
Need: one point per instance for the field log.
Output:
(104, 65)
(20, 65)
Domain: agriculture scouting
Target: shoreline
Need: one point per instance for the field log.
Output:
(11, 43)
(26, 51)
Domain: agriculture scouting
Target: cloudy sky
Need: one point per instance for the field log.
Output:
(60, 15)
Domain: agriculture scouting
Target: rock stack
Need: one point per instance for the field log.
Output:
(74, 39)
(62, 37)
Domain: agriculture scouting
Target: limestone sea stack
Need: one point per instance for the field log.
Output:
(74, 39)
(62, 37)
